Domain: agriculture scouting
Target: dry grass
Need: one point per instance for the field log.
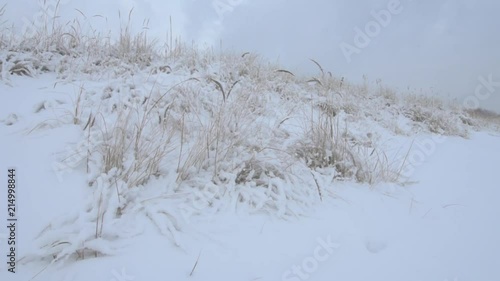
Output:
(485, 117)
(254, 130)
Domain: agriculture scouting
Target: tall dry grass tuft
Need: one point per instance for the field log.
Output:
(328, 145)
(135, 48)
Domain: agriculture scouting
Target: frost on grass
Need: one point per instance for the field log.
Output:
(169, 135)
(97, 229)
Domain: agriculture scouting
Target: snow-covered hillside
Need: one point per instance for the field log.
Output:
(131, 161)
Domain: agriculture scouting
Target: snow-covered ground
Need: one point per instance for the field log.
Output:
(443, 226)
(191, 164)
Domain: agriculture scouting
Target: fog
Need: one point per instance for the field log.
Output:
(439, 47)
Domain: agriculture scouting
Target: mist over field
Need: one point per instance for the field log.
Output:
(434, 47)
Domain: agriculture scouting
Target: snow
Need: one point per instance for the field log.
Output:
(128, 172)
(445, 227)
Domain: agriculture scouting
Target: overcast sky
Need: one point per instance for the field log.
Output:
(441, 46)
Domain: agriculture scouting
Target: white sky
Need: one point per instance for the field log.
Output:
(441, 45)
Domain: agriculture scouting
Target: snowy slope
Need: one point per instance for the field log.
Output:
(134, 163)
(441, 228)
